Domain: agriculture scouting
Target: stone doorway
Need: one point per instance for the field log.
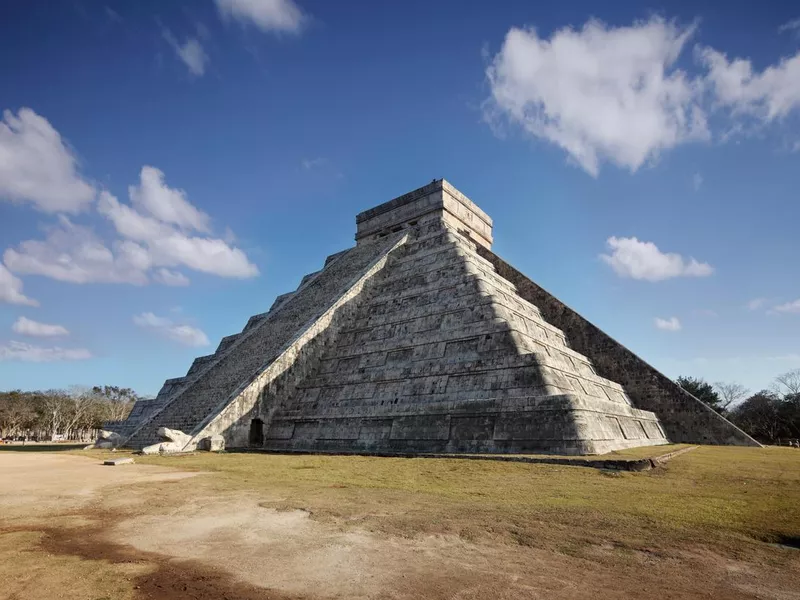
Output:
(256, 433)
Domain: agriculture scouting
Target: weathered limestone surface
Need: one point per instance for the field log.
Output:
(221, 377)
(106, 440)
(142, 410)
(212, 443)
(444, 357)
(684, 418)
(172, 441)
(420, 339)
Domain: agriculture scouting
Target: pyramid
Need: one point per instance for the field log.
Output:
(420, 339)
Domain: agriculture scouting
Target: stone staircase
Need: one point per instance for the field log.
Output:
(212, 379)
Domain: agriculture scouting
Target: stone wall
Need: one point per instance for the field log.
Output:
(684, 418)
(438, 201)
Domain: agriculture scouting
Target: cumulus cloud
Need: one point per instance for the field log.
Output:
(76, 254)
(169, 205)
(170, 247)
(183, 334)
(172, 278)
(788, 307)
(615, 95)
(20, 351)
(37, 167)
(191, 53)
(643, 260)
(11, 289)
(25, 326)
(767, 95)
(671, 324)
(267, 15)
(155, 240)
(600, 93)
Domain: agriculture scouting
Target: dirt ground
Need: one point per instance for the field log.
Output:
(71, 528)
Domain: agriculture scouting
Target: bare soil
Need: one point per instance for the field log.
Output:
(71, 528)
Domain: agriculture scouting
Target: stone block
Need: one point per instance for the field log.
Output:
(212, 443)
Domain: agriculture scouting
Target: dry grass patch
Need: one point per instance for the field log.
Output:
(726, 494)
(353, 526)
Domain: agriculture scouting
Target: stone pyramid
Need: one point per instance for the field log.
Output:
(420, 339)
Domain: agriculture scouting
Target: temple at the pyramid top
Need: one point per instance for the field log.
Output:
(437, 200)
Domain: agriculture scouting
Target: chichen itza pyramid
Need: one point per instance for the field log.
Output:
(420, 339)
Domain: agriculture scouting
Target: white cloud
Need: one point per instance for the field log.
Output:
(788, 307)
(183, 334)
(166, 204)
(793, 25)
(29, 353)
(152, 239)
(25, 326)
(37, 167)
(75, 254)
(191, 52)
(614, 94)
(671, 324)
(756, 303)
(706, 312)
(600, 93)
(173, 278)
(148, 319)
(643, 260)
(311, 163)
(768, 95)
(697, 181)
(169, 247)
(11, 289)
(267, 15)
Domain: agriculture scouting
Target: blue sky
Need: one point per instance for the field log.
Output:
(167, 169)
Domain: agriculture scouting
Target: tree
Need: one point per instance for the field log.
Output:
(53, 406)
(117, 401)
(80, 408)
(760, 416)
(788, 384)
(16, 412)
(702, 390)
(789, 412)
(730, 394)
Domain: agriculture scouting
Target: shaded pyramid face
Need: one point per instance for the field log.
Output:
(413, 341)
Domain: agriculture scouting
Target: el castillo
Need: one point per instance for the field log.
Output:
(399, 300)
(420, 339)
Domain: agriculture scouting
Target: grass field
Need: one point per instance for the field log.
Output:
(719, 491)
(723, 515)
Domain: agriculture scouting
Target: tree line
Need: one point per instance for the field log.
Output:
(75, 414)
(772, 416)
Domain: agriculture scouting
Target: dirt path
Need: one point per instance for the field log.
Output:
(143, 531)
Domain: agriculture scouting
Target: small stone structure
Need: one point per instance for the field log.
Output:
(174, 441)
(106, 440)
(212, 443)
(420, 339)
